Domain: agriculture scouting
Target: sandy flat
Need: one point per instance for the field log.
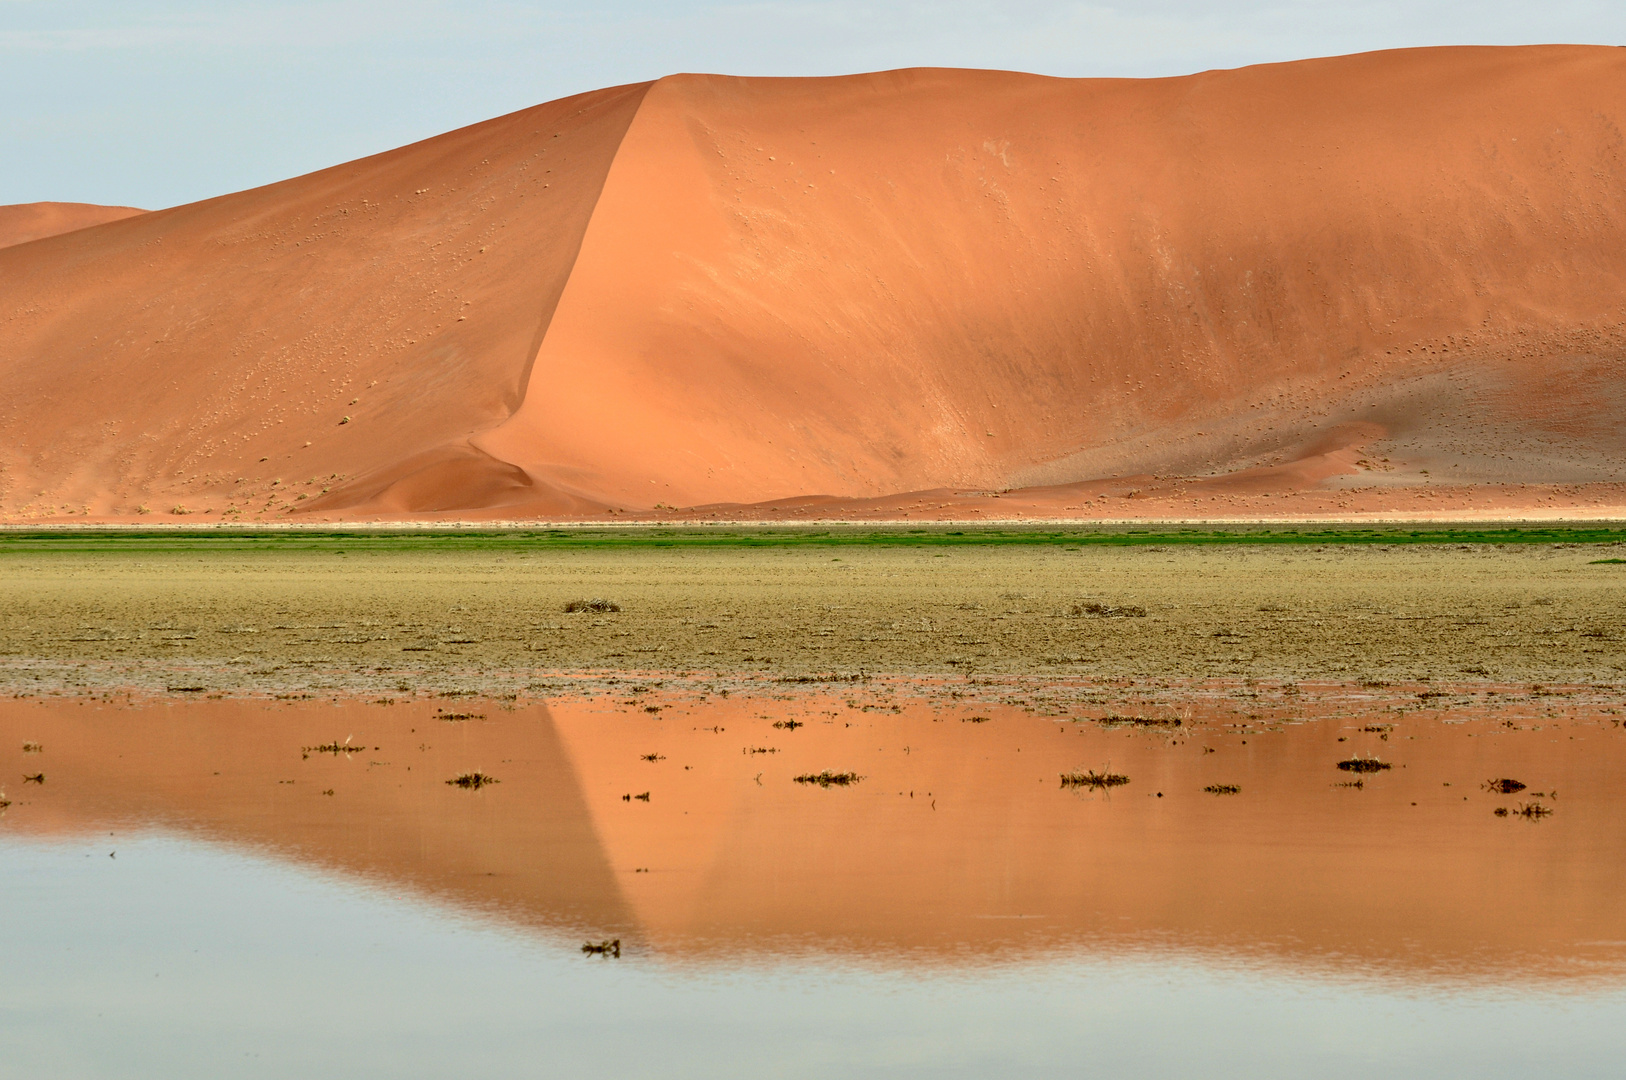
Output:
(357, 617)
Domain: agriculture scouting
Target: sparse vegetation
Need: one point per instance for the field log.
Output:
(1530, 811)
(472, 780)
(1223, 789)
(829, 779)
(1094, 609)
(1504, 785)
(610, 948)
(597, 605)
(1093, 780)
(335, 748)
(1116, 719)
(1363, 765)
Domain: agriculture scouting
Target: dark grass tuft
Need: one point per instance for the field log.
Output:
(827, 778)
(1094, 609)
(1115, 720)
(472, 780)
(597, 604)
(335, 747)
(1093, 780)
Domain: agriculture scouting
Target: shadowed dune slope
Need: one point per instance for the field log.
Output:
(1386, 269)
(34, 221)
(193, 356)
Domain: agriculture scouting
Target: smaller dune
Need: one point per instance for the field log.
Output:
(35, 221)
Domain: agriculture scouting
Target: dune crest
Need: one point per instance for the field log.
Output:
(1369, 273)
(23, 222)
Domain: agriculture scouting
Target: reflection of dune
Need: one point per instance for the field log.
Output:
(219, 769)
(1394, 270)
(987, 857)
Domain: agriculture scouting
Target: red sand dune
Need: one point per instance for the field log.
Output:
(34, 221)
(1392, 281)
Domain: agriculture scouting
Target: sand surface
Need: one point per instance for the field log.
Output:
(23, 222)
(959, 845)
(1383, 282)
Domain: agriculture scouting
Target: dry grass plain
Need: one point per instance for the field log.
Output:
(369, 618)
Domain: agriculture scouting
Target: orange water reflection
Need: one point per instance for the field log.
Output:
(958, 845)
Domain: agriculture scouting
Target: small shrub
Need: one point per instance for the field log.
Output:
(1094, 609)
(1114, 720)
(1363, 765)
(1093, 780)
(597, 605)
(827, 778)
(1223, 789)
(335, 748)
(472, 780)
(1504, 785)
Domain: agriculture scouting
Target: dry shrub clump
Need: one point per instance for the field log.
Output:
(1114, 720)
(1094, 609)
(598, 605)
(1093, 780)
(827, 778)
(472, 780)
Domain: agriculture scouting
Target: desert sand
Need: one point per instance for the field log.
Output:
(23, 222)
(1368, 284)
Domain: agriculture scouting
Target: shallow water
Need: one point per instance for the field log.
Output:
(184, 896)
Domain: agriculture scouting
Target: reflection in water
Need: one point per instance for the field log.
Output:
(958, 874)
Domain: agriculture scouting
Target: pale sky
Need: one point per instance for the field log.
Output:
(157, 103)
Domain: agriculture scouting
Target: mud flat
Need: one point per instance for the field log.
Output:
(400, 615)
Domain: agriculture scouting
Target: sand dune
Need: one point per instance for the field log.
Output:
(1352, 276)
(34, 221)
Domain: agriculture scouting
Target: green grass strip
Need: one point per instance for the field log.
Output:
(227, 540)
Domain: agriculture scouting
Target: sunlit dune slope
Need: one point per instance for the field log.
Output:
(23, 222)
(1389, 269)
